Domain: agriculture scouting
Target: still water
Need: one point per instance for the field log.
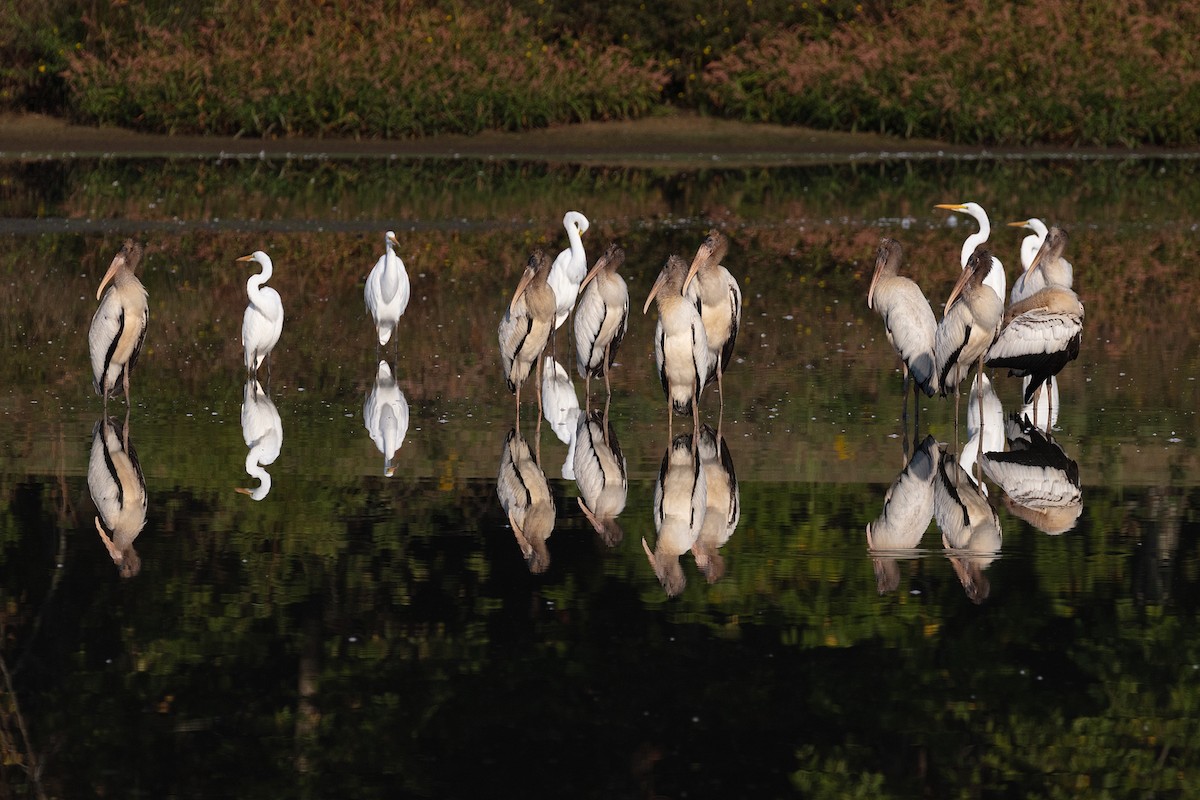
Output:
(328, 598)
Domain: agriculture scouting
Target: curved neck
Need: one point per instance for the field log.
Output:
(974, 240)
(576, 241)
(390, 282)
(254, 285)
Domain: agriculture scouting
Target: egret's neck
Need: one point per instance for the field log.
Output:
(974, 240)
(576, 242)
(254, 285)
(390, 283)
(255, 471)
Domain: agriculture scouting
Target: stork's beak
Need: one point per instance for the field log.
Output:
(702, 255)
(658, 284)
(113, 268)
(959, 285)
(600, 264)
(521, 287)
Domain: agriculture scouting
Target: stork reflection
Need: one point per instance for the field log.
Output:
(525, 496)
(722, 506)
(1040, 483)
(680, 497)
(118, 489)
(970, 528)
(907, 511)
(600, 473)
(385, 414)
(263, 432)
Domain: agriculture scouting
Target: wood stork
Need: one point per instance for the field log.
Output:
(118, 489)
(600, 474)
(995, 277)
(970, 528)
(526, 498)
(680, 343)
(119, 324)
(907, 512)
(385, 414)
(262, 430)
(1046, 268)
(722, 505)
(907, 318)
(263, 321)
(387, 289)
(1040, 335)
(680, 497)
(526, 325)
(600, 319)
(968, 327)
(1040, 482)
(716, 295)
(569, 268)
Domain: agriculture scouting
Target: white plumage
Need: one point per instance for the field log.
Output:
(1041, 335)
(601, 317)
(262, 430)
(680, 496)
(387, 289)
(968, 327)
(385, 414)
(995, 276)
(907, 511)
(569, 268)
(1046, 268)
(118, 489)
(680, 343)
(970, 527)
(714, 291)
(907, 317)
(525, 496)
(119, 325)
(263, 321)
(1040, 483)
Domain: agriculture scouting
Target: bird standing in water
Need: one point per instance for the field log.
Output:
(526, 326)
(907, 318)
(680, 343)
(263, 321)
(387, 289)
(569, 268)
(601, 318)
(119, 325)
(968, 327)
(716, 295)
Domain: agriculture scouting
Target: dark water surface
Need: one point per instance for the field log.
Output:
(355, 635)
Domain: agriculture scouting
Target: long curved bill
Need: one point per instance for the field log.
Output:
(600, 264)
(703, 254)
(959, 285)
(113, 268)
(658, 284)
(521, 287)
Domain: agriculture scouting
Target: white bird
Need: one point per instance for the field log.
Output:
(569, 268)
(995, 277)
(1047, 267)
(385, 414)
(601, 318)
(968, 327)
(560, 407)
(985, 425)
(1040, 483)
(680, 343)
(119, 325)
(718, 298)
(263, 320)
(600, 474)
(262, 430)
(526, 498)
(680, 496)
(907, 511)
(1040, 335)
(722, 504)
(907, 318)
(387, 289)
(970, 528)
(1031, 243)
(526, 325)
(118, 489)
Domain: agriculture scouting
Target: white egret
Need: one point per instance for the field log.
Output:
(387, 289)
(119, 325)
(995, 277)
(263, 321)
(569, 268)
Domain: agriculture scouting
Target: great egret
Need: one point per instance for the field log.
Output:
(968, 327)
(527, 501)
(680, 343)
(601, 318)
(569, 268)
(262, 431)
(722, 504)
(907, 317)
(263, 321)
(1030, 243)
(526, 325)
(119, 325)
(118, 489)
(715, 293)
(995, 277)
(680, 496)
(385, 414)
(387, 289)
(1046, 268)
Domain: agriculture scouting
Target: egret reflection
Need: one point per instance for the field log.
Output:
(385, 414)
(970, 528)
(985, 426)
(525, 496)
(1040, 482)
(907, 512)
(560, 407)
(680, 497)
(722, 505)
(600, 473)
(118, 489)
(262, 431)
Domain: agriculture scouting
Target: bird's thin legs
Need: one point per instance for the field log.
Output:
(125, 429)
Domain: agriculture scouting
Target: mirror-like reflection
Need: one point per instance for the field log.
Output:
(600, 473)
(907, 511)
(262, 431)
(722, 504)
(985, 426)
(680, 496)
(385, 414)
(1040, 482)
(118, 489)
(560, 407)
(526, 498)
(970, 527)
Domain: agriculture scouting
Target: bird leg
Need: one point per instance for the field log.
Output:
(125, 374)
(587, 390)
(125, 430)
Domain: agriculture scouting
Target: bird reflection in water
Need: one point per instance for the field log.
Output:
(722, 505)
(525, 496)
(1040, 483)
(118, 489)
(680, 497)
(560, 407)
(263, 433)
(385, 414)
(985, 427)
(600, 474)
(970, 528)
(907, 511)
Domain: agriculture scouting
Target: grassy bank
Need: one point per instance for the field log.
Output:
(971, 72)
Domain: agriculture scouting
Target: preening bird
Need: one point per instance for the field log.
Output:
(118, 489)
(1047, 267)
(969, 325)
(263, 320)
(526, 498)
(385, 414)
(119, 324)
(262, 431)
(601, 318)
(569, 268)
(907, 317)
(387, 289)
(600, 474)
(995, 277)
(526, 325)
(680, 496)
(722, 504)
(715, 293)
(1040, 335)
(680, 343)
